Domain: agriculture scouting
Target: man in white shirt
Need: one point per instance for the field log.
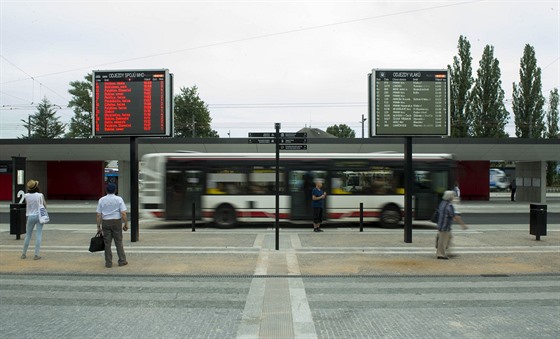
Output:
(112, 220)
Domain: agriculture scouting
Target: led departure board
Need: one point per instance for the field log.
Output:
(132, 103)
(409, 103)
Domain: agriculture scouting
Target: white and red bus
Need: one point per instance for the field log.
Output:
(231, 188)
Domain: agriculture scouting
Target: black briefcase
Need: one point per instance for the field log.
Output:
(97, 243)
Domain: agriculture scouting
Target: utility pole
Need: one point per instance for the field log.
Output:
(363, 120)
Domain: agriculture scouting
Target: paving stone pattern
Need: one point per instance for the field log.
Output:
(78, 306)
(444, 307)
(120, 307)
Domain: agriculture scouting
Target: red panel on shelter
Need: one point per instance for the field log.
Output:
(6, 187)
(473, 178)
(75, 180)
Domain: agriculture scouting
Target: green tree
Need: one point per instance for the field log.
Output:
(44, 124)
(552, 118)
(80, 124)
(341, 131)
(461, 83)
(487, 99)
(528, 100)
(192, 118)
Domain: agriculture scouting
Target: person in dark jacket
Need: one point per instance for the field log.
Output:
(318, 196)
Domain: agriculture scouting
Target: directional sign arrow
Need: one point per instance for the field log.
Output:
(292, 147)
(261, 134)
(261, 141)
(293, 141)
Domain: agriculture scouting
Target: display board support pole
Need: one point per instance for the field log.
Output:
(277, 221)
(408, 187)
(193, 217)
(134, 215)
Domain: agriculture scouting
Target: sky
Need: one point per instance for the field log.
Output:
(300, 63)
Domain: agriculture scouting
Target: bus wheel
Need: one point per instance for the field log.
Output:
(224, 216)
(390, 216)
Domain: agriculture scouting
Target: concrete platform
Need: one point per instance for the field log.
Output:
(340, 283)
(488, 249)
(170, 249)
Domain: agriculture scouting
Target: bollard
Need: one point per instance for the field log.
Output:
(193, 217)
(361, 217)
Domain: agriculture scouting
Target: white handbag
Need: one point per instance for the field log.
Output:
(43, 214)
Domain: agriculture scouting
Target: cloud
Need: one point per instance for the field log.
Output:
(262, 52)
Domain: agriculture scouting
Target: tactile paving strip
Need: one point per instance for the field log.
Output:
(277, 311)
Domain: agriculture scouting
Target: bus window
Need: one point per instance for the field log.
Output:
(299, 180)
(338, 186)
(184, 188)
(440, 180)
(422, 180)
(302, 183)
(375, 180)
(174, 181)
(431, 181)
(262, 180)
(226, 181)
(430, 185)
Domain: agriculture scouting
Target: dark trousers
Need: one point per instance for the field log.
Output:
(112, 229)
(317, 215)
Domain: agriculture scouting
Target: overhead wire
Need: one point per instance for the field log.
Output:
(249, 105)
(32, 78)
(13, 96)
(261, 36)
(238, 41)
(288, 105)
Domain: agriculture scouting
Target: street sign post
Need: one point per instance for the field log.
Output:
(272, 135)
(287, 141)
(284, 141)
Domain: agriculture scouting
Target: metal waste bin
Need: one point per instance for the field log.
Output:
(18, 223)
(537, 220)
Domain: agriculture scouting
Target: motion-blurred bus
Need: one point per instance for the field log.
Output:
(229, 188)
(498, 180)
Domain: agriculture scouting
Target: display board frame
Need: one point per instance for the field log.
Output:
(165, 103)
(375, 96)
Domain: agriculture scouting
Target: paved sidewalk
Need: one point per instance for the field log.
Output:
(499, 283)
(175, 250)
(167, 250)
